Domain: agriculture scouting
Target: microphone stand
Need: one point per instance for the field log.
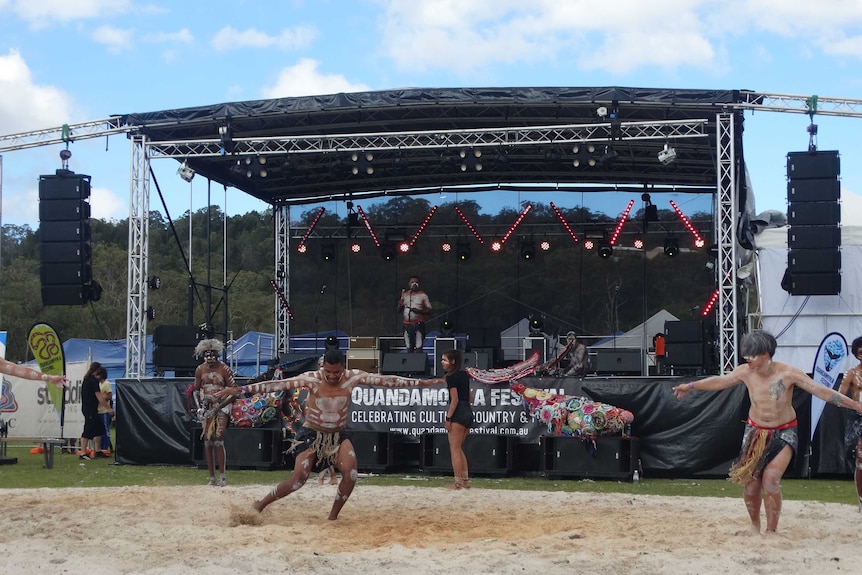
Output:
(316, 313)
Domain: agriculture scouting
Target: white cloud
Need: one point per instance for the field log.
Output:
(303, 79)
(21, 207)
(106, 205)
(43, 12)
(182, 36)
(229, 38)
(24, 105)
(116, 39)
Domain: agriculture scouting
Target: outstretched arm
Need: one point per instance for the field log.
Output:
(307, 379)
(24, 372)
(714, 383)
(826, 394)
(394, 380)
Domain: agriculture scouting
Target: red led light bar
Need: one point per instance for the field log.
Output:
(469, 225)
(516, 224)
(301, 247)
(368, 226)
(564, 222)
(422, 226)
(698, 241)
(621, 223)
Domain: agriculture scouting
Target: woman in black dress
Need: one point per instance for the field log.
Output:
(459, 416)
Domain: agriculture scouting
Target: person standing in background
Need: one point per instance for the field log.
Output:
(414, 305)
(105, 387)
(91, 399)
(459, 416)
(212, 376)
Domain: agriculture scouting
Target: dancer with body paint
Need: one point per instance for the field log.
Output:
(770, 437)
(321, 441)
(851, 386)
(211, 377)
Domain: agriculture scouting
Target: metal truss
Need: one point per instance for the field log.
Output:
(139, 207)
(825, 106)
(435, 139)
(726, 210)
(282, 277)
(63, 134)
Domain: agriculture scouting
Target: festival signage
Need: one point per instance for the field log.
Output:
(827, 365)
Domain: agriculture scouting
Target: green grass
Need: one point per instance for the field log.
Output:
(69, 471)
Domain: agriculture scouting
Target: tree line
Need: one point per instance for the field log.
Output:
(566, 287)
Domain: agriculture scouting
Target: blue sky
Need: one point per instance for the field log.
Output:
(73, 61)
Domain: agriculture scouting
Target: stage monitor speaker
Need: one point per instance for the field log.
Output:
(606, 458)
(813, 165)
(619, 361)
(814, 214)
(362, 343)
(373, 450)
(813, 237)
(477, 359)
(173, 335)
(683, 331)
(246, 448)
(66, 231)
(404, 363)
(172, 358)
(487, 454)
(64, 252)
(64, 187)
(814, 261)
(64, 295)
(364, 359)
(684, 354)
(63, 210)
(813, 284)
(817, 190)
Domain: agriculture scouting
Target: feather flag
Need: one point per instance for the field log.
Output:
(47, 350)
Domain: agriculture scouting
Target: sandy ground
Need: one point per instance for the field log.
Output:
(411, 530)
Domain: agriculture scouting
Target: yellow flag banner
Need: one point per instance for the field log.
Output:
(47, 350)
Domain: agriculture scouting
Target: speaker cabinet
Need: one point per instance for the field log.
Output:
(186, 335)
(533, 344)
(486, 454)
(683, 331)
(65, 231)
(64, 295)
(63, 210)
(619, 361)
(364, 359)
(373, 450)
(65, 186)
(245, 448)
(64, 252)
(362, 343)
(814, 261)
(173, 358)
(65, 273)
(817, 190)
(812, 284)
(813, 237)
(404, 363)
(814, 214)
(605, 458)
(477, 359)
(813, 165)
(684, 354)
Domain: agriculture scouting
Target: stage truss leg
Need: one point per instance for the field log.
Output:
(139, 217)
(282, 277)
(727, 215)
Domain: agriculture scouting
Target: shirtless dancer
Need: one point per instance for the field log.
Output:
(210, 377)
(321, 441)
(770, 434)
(851, 386)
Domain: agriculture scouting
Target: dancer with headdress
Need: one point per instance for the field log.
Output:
(211, 377)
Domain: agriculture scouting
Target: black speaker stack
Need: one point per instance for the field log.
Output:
(66, 272)
(814, 218)
(174, 349)
(686, 345)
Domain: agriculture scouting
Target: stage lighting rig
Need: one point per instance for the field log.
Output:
(667, 155)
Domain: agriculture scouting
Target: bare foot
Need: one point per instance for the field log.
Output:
(258, 506)
(333, 481)
(456, 485)
(244, 516)
(332, 516)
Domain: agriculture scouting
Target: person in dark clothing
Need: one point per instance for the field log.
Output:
(459, 416)
(91, 399)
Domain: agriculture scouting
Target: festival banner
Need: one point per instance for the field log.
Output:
(47, 350)
(827, 366)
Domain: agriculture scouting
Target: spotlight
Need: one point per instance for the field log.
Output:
(355, 248)
(609, 156)
(536, 326)
(667, 155)
(638, 243)
(446, 247)
(447, 328)
(331, 342)
(671, 247)
(151, 313)
(528, 249)
(471, 159)
(362, 163)
(327, 252)
(226, 137)
(388, 253)
(545, 245)
(606, 250)
(589, 244)
(496, 246)
(154, 282)
(302, 248)
(185, 172)
(404, 247)
(583, 155)
(463, 251)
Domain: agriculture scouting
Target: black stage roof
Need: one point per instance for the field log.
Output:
(312, 145)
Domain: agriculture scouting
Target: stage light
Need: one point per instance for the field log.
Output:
(583, 155)
(606, 250)
(609, 156)
(496, 246)
(463, 252)
(403, 247)
(355, 248)
(362, 163)
(470, 226)
(671, 247)
(154, 282)
(368, 226)
(388, 253)
(225, 134)
(327, 252)
(638, 243)
(423, 225)
(331, 342)
(302, 248)
(471, 159)
(528, 249)
(446, 247)
(545, 245)
(667, 155)
(151, 313)
(564, 222)
(589, 244)
(536, 326)
(447, 327)
(185, 172)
